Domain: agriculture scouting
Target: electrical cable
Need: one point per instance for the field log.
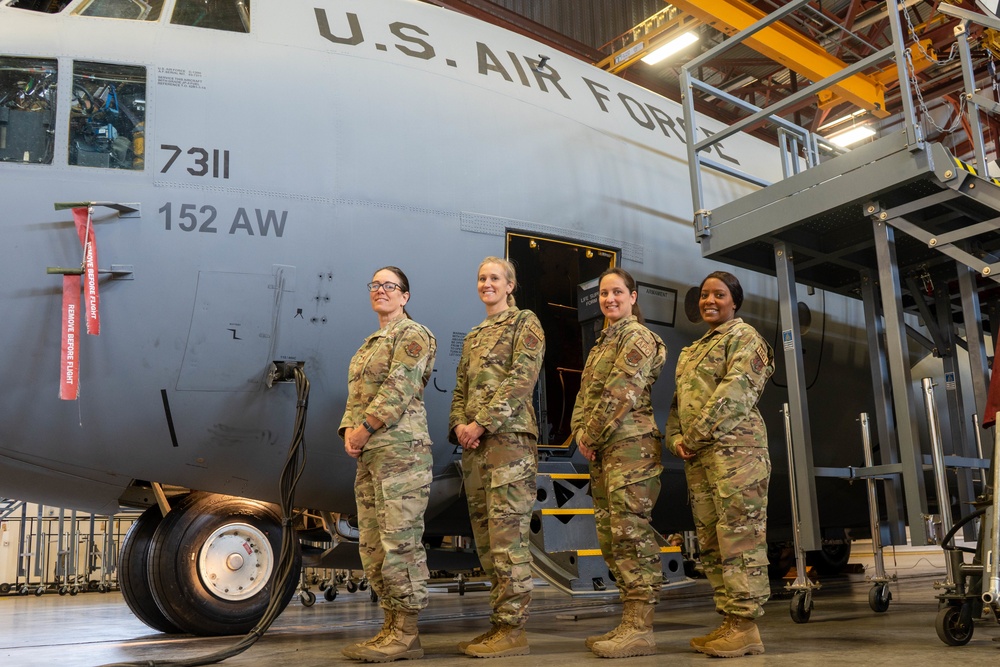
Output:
(822, 344)
(289, 479)
(954, 529)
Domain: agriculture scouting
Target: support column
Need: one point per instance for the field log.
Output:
(958, 426)
(805, 481)
(975, 338)
(899, 373)
(884, 418)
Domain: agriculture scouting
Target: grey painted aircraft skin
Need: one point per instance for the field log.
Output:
(281, 169)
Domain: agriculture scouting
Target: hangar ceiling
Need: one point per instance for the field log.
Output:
(846, 30)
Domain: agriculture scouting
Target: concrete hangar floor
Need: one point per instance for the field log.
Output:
(94, 629)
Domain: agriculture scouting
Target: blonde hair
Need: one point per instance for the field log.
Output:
(510, 273)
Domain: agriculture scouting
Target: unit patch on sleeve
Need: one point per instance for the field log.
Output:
(759, 360)
(633, 358)
(414, 349)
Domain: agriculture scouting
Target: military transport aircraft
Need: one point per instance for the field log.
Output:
(248, 166)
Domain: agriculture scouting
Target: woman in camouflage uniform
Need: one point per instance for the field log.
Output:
(493, 420)
(615, 430)
(385, 428)
(714, 425)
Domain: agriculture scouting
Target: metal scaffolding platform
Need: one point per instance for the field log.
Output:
(899, 223)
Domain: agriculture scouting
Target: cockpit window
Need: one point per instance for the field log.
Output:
(47, 6)
(107, 119)
(27, 109)
(232, 15)
(135, 10)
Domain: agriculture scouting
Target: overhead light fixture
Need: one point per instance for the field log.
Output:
(843, 119)
(852, 136)
(670, 48)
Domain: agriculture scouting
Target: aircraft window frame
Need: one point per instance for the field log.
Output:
(107, 116)
(41, 6)
(227, 15)
(127, 10)
(28, 106)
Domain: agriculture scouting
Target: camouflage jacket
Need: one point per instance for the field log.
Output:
(613, 402)
(386, 380)
(719, 380)
(501, 359)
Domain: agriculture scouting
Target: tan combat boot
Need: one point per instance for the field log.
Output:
(698, 643)
(351, 651)
(401, 642)
(505, 640)
(741, 637)
(635, 635)
(593, 639)
(478, 639)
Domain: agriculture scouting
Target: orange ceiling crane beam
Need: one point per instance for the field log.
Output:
(789, 48)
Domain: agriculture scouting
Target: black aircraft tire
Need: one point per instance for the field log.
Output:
(213, 562)
(133, 572)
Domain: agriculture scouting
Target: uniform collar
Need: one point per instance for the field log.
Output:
(503, 315)
(620, 324)
(389, 327)
(723, 328)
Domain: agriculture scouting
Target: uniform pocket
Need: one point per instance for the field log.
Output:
(635, 485)
(737, 475)
(513, 486)
(405, 496)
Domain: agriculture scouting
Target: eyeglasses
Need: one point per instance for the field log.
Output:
(388, 287)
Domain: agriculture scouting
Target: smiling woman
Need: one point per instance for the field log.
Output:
(616, 431)
(716, 428)
(385, 428)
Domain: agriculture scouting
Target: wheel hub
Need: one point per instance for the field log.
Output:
(236, 561)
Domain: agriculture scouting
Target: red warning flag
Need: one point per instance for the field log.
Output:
(69, 383)
(91, 297)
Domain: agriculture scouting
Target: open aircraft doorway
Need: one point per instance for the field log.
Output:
(549, 271)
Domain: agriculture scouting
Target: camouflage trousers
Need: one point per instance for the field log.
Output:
(499, 480)
(392, 488)
(625, 483)
(728, 487)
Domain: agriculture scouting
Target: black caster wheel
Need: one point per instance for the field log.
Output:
(75, 590)
(102, 588)
(24, 590)
(40, 591)
(351, 585)
(363, 585)
(4, 588)
(307, 598)
(954, 625)
(330, 594)
(63, 590)
(801, 607)
(879, 597)
(373, 595)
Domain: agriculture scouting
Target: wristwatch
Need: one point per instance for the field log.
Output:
(368, 427)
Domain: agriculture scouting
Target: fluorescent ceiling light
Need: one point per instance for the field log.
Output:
(852, 136)
(670, 48)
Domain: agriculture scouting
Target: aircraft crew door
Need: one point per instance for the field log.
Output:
(549, 272)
